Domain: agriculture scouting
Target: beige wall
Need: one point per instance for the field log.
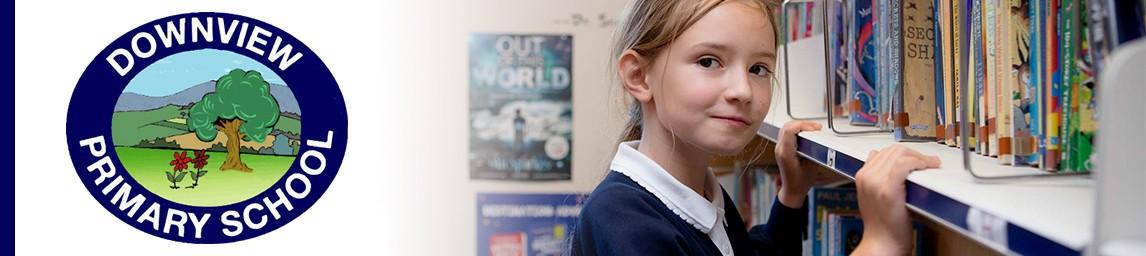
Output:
(427, 139)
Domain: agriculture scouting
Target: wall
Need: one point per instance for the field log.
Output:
(437, 194)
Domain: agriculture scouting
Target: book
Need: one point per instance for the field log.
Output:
(891, 64)
(1067, 88)
(1004, 42)
(950, 74)
(847, 234)
(837, 55)
(822, 200)
(1014, 56)
(975, 75)
(1082, 124)
(844, 233)
(959, 32)
(917, 121)
(940, 57)
(1051, 89)
(1027, 136)
(1028, 69)
(864, 72)
(990, 79)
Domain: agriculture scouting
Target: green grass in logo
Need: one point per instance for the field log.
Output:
(149, 167)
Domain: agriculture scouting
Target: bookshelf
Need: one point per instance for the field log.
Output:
(1029, 217)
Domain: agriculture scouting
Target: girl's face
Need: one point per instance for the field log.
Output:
(712, 86)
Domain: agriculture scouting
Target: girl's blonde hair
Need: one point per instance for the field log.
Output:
(648, 26)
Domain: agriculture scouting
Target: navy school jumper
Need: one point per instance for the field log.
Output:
(622, 218)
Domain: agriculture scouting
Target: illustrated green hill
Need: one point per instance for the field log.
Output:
(128, 128)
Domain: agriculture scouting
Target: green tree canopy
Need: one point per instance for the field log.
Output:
(239, 95)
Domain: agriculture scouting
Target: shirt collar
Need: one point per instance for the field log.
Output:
(686, 203)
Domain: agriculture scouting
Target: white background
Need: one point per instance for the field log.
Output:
(404, 187)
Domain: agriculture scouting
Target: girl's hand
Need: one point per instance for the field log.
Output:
(881, 187)
(794, 180)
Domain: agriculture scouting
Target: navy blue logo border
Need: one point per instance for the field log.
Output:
(323, 139)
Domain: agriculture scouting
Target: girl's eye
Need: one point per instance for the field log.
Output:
(708, 62)
(759, 70)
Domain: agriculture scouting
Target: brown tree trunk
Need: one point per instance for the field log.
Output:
(230, 128)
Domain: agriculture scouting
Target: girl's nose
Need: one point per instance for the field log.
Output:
(739, 88)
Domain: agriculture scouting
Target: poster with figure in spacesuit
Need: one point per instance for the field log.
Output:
(521, 109)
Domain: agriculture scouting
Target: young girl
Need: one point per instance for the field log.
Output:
(699, 75)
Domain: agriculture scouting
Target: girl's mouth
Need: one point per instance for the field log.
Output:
(735, 120)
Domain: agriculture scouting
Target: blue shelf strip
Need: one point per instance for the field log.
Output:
(948, 210)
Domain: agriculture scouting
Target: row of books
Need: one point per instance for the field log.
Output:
(1029, 68)
(804, 20)
(754, 191)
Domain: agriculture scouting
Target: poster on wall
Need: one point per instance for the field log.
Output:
(521, 108)
(526, 224)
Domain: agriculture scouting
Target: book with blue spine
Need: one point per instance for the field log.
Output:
(888, 83)
(847, 234)
(1027, 124)
(821, 202)
(940, 54)
(980, 104)
(837, 54)
(864, 72)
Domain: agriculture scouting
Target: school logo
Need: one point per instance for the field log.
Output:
(207, 128)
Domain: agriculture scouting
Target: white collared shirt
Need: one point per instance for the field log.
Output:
(704, 215)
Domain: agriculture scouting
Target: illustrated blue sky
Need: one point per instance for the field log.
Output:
(186, 69)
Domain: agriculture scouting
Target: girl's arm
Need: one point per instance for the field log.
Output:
(795, 181)
(782, 234)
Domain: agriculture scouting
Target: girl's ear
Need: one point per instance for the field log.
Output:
(632, 71)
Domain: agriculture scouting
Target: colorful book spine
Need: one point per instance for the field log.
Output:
(1029, 141)
(882, 78)
(864, 73)
(1069, 71)
(1051, 89)
(851, 43)
(939, 59)
(822, 201)
(1081, 126)
(1085, 124)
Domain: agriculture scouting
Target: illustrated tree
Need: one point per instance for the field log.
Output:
(241, 107)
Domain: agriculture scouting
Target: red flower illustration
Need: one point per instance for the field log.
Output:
(200, 159)
(180, 161)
